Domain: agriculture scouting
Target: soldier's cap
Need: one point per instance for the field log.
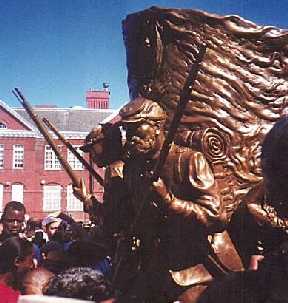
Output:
(141, 109)
(95, 135)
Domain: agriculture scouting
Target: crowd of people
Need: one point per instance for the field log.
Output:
(56, 256)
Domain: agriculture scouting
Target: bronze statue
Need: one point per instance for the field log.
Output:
(104, 144)
(268, 207)
(182, 213)
(176, 228)
(239, 93)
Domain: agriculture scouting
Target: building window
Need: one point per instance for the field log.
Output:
(51, 197)
(1, 156)
(18, 156)
(73, 161)
(3, 125)
(51, 160)
(73, 204)
(1, 196)
(17, 192)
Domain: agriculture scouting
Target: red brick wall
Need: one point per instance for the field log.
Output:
(33, 176)
(97, 99)
(10, 121)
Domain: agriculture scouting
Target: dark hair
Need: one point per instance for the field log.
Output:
(274, 156)
(80, 283)
(12, 249)
(13, 205)
(34, 224)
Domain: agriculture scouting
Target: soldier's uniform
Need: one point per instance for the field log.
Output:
(189, 225)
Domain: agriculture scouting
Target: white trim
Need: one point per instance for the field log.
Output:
(73, 204)
(12, 111)
(19, 133)
(18, 156)
(63, 109)
(1, 196)
(51, 161)
(51, 197)
(2, 156)
(72, 159)
(17, 192)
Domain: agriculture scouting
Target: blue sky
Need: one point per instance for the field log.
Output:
(55, 50)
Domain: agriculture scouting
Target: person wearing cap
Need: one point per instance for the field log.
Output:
(179, 212)
(51, 225)
(186, 186)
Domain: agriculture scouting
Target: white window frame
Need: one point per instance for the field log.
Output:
(3, 125)
(73, 204)
(18, 156)
(51, 161)
(51, 197)
(73, 161)
(1, 156)
(17, 192)
(1, 196)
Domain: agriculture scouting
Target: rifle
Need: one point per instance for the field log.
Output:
(75, 152)
(46, 135)
(184, 99)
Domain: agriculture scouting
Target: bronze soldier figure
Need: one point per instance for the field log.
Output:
(183, 219)
(104, 144)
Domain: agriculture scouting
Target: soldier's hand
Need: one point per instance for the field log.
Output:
(255, 194)
(161, 190)
(82, 194)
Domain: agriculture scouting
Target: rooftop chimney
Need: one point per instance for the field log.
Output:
(98, 98)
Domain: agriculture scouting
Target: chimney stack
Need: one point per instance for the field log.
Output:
(98, 99)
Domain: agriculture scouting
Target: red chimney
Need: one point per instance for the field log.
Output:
(97, 99)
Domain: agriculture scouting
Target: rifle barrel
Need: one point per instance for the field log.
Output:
(74, 151)
(46, 135)
(184, 99)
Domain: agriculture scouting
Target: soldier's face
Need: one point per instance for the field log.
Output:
(97, 153)
(141, 139)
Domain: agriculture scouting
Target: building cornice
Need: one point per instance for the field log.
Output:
(35, 134)
(19, 133)
(62, 109)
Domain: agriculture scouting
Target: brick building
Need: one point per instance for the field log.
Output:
(29, 170)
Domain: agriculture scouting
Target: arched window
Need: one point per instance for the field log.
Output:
(51, 197)
(73, 204)
(3, 125)
(18, 192)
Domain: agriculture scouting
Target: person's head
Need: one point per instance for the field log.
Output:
(51, 225)
(143, 120)
(36, 280)
(80, 283)
(86, 252)
(104, 143)
(274, 159)
(31, 226)
(54, 258)
(13, 218)
(16, 255)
